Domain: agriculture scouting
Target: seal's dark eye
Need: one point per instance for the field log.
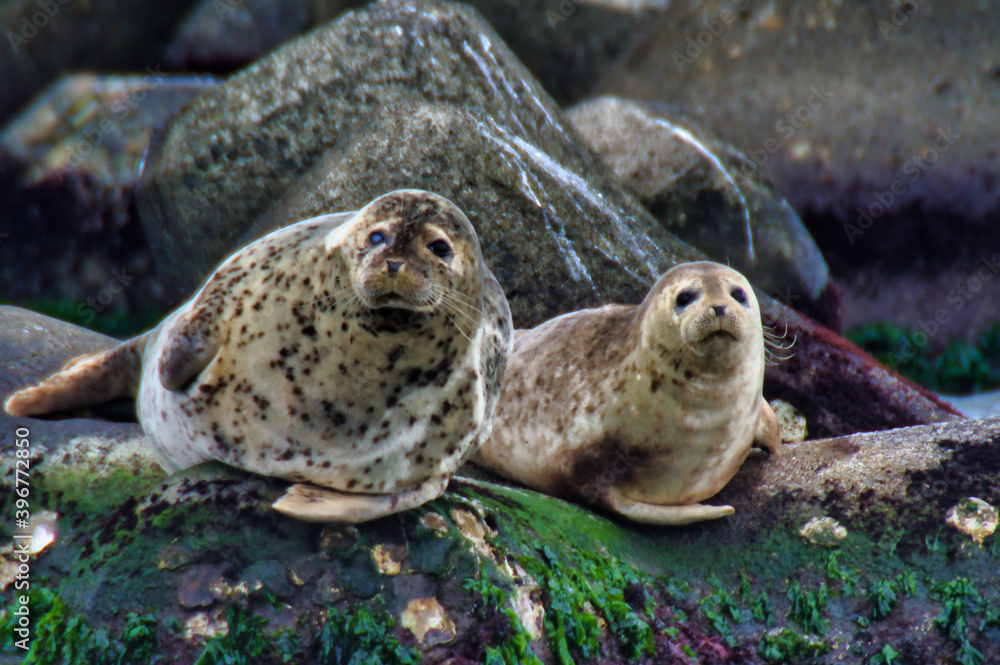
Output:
(376, 238)
(685, 298)
(739, 295)
(440, 248)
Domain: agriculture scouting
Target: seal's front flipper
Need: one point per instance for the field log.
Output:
(317, 504)
(85, 381)
(768, 434)
(649, 513)
(189, 349)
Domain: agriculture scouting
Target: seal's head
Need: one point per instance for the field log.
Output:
(706, 308)
(411, 250)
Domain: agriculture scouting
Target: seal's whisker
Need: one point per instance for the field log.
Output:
(776, 343)
(769, 332)
(456, 297)
(459, 308)
(335, 298)
(448, 314)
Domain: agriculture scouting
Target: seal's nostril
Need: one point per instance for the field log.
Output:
(719, 309)
(393, 266)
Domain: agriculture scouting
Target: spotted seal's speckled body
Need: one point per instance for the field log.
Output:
(642, 410)
(359, 352)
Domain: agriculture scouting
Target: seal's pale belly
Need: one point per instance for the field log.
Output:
(376, 419)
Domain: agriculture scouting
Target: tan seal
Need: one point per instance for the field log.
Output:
(359, 352)
(642, 410)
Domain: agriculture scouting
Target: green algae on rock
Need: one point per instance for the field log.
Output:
(746, 589)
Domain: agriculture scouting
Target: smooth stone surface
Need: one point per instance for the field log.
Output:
(696, 187)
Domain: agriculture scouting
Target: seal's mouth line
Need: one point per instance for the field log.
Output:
(396, 301)
(717, 334)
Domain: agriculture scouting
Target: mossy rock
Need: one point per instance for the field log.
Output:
(198, 568)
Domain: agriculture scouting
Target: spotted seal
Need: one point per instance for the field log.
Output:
(641, 410)
(357, 354)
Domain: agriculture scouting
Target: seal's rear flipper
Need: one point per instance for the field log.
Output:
(649, 513)
(317, 504)
(85, 381)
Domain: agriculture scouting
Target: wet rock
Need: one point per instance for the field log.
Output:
(240, 147)
(68, 167)
(910, 476)
(44, 39)
(695, 186)
(836, 101)
(332, 120)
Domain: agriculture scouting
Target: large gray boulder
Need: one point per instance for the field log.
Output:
(237, 149)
